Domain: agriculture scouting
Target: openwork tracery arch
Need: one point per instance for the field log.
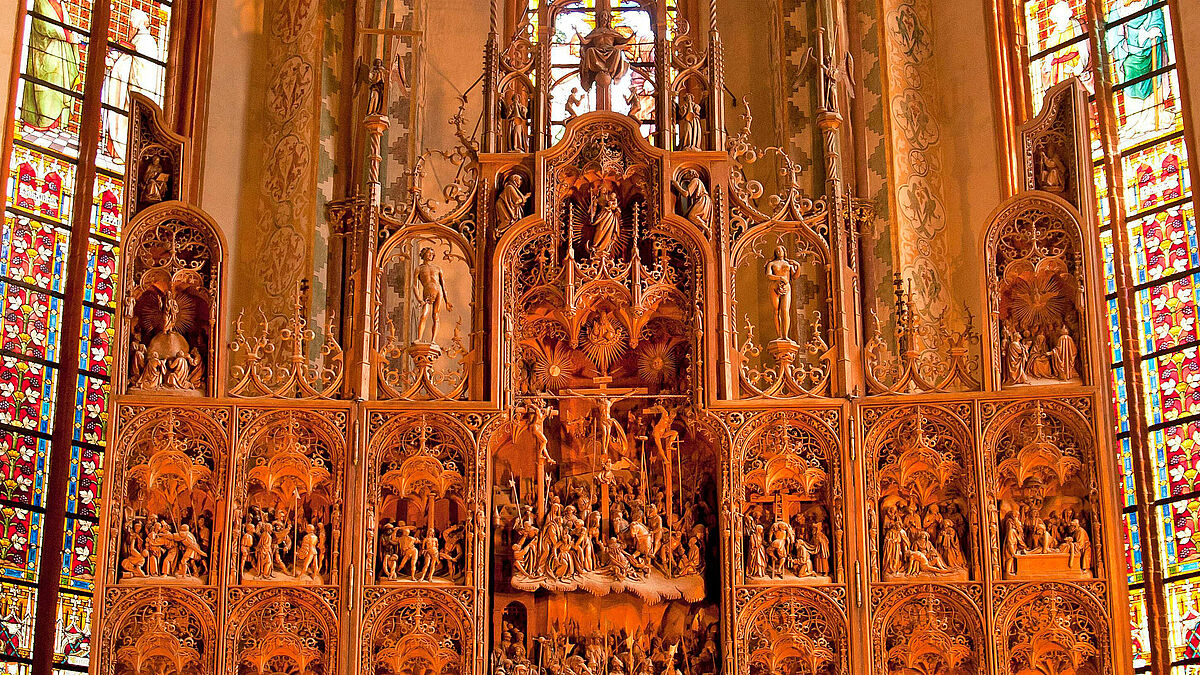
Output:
(927, 628)
(281, 631)
(168, 631)
(795, 631)
(417, 631)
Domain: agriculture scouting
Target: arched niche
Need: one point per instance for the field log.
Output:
(427, 312)
(788, 489)
(1037, 289)
(1043, 496)
(783, 311)
(167, 501)
(791, 631)
(280, 630)
(1052, 628)
(422, 474)
(169, 631)
(930, 628)
(425, 630)
(288, 497)
(171, 297)
(923, 507)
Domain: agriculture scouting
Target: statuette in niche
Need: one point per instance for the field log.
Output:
(510, 205)
(606, 221)
(687, 113)
(781, 270)
(697, 204)
(515, 112)
(1052, 172)
(377, 89)
(431, 296)
(155, 180)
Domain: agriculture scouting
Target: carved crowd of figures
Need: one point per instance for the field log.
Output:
(549, 436)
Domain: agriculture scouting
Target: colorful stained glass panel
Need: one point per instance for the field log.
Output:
(20, 543)
(34, 252)
(91, 410)
(24, 460)
(1133, 547)
(95, 350)
(62, 135)
(1143, 117)
(1139, 627)
(1183, 619)
(1062, 64)
(40, 184)
(1180, 537)
(83, 487)
(74, 13)
(1164, 243)
(1120, 399)
(101, 273)
(79, 555)
(1167, 314)
(1156, 175)
(30, 322)
(1172, 384)
(135, 22)
(27, 394)
(1137, 45)
(1114, 331)
(1176, 454)
(73, 629)
(1128, 477)
(16, 621)
(108, 198)
(1049, 23)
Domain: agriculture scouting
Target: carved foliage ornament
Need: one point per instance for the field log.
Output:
(927, 629)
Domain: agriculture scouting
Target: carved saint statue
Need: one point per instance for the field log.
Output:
(699, 203)
(155, 180)
(574, 100)
(515, 112)
(602, 57)
(687, 113)
(1016, 357)
(606, 221)
(167, 361)
(1052, 172)
(510, 205)
(780, 272)
(431, 294)
(377, 88)
(1063, 355)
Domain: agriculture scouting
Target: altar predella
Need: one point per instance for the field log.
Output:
(614, 408)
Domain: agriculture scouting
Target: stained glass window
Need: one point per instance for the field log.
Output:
(1143, 185)
(69, 143)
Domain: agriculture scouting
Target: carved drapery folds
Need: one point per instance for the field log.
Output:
(171, 291)
(287, 501)
(1036, 292)
(923, 514)
(1042, 490)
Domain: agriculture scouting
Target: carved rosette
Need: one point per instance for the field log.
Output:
(427, 630)
(281, 630)
(790, 631)
(922, 506)
(1052, 628)
(927, 628)
(171, 280)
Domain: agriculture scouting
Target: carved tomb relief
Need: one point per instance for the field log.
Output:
(288, 501)
(790, 501)
(1044, 492)
(921, 488)
(426, 295)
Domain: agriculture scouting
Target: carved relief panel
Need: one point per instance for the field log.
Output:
(791, 631)
(409, 631)
(161, 630)
(1052, 628)
(171, 293)
(927, 628)
(167, 502)
(923, 515)
(288, 497)
(1043, 496)
(788, 491)
(279, 630)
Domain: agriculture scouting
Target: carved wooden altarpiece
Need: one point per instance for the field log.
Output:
(609, 405)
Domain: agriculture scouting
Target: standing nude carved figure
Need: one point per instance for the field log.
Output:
(780, 271)
(431, 294)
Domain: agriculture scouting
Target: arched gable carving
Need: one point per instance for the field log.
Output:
(171, 285)
(1054, 629)
(280, 630)
(791, 631)
(429, 628)
(927, 628)
(169, 631)
(1035, 283)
